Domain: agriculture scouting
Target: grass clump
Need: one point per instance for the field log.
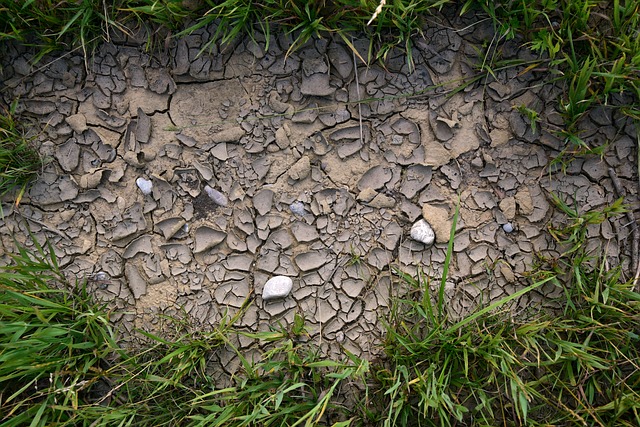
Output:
(575, 366)
(592, 47)
(60, 364)
(19, 161)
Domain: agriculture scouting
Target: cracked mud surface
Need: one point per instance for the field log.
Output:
(316, 167)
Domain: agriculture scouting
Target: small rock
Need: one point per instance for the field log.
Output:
(508, 227)
(145, 186)
(277, 287)
(298, 208)
(422, 232)
(217, 197)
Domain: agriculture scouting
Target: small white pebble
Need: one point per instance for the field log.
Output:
(277, 287)
(423, 233)
(145, 186)
(508, 227)
(217, 197)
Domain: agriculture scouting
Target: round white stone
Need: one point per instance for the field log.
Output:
(277, 287)
(144, 185)
(422, 232)
(508, 227)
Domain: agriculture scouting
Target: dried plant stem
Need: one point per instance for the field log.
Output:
(635, 243)
(377, 12)
(355, 72)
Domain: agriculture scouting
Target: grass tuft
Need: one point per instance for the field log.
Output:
(19, 161)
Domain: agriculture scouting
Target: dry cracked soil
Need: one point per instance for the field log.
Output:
(180, 181)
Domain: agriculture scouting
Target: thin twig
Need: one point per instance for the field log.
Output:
(635, 244)
(355, 72)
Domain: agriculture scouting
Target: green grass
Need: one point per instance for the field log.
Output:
(60, 362)
(591, 48)
(19, 161)
(577, 366)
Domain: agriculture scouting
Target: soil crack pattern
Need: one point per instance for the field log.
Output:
(186, 181)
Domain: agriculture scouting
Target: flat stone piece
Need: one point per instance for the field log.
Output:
(308, 261)
(206, 238)
(277, 287)
(422, 232)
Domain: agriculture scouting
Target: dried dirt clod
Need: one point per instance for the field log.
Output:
(263, 201)
(375, 178)
(308, 261)
(68, 155)
(77, 122)
(317, 85)
(206, 238)
(439, 219)
(137, 283)
(231, 135)
(300, 169)
(508, 207)
(304, 232)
